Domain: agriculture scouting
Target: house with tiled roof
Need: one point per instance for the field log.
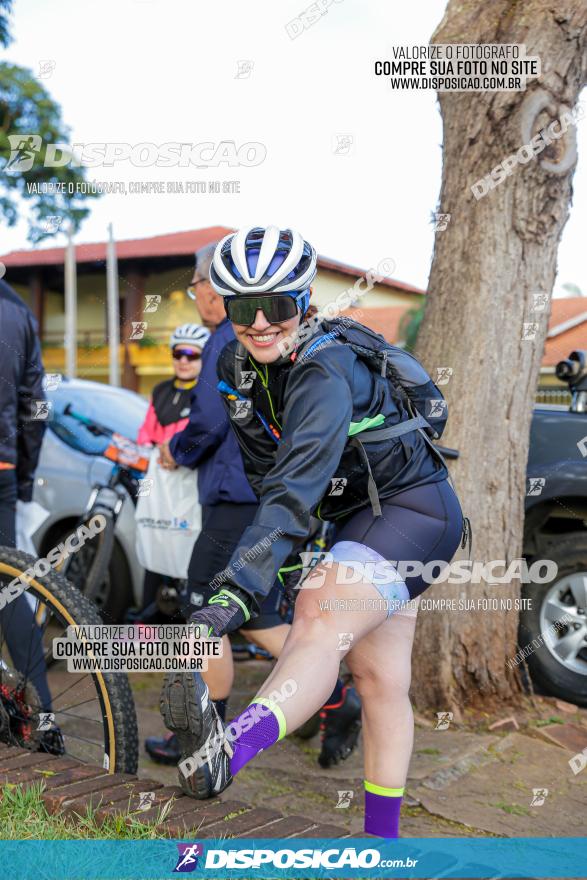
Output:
(161, 265)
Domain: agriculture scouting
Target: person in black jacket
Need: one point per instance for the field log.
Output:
(229, 507)
(334, 427)
(22, 424)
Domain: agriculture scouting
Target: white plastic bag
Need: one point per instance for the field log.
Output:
(29, 517)
(168, 519)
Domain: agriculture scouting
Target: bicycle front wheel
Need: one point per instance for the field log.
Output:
(94, 712)
(87, 568)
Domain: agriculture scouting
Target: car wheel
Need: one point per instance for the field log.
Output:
(554, 628)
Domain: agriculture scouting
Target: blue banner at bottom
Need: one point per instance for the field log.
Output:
(307, 858)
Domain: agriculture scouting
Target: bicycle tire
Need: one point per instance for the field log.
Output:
(101, 563)
(104, 543)
(121, 745)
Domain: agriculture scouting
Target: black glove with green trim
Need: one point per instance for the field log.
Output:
(290, 577)
(224, 612)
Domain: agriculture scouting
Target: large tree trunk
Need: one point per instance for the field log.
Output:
(494, 255)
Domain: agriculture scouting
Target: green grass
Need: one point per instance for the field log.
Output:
(418, 812)
(542, 722)
(310, 751)
(23, 817)
(428, 752)
(512, 809)
(270, 786)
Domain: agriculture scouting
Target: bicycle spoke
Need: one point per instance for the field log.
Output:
(90, 742)
(73, 684)
(83, 703)
(38, 682)
(41, 663)
(84, 718)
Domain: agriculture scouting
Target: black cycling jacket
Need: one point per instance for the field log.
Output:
(21, 371)
(315, 468)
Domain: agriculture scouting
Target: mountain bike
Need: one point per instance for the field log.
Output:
(88, 567)
(91, 716)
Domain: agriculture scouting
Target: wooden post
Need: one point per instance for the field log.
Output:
(112, 306)
(37, 292)
(133, 313)
(70, 309)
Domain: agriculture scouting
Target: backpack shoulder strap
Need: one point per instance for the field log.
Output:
(240, 357)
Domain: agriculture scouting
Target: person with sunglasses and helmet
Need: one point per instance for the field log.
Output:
(169, 407)
(229, 506)
(333, 426)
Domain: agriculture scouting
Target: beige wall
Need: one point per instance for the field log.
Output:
(175, 308)
(329, 284)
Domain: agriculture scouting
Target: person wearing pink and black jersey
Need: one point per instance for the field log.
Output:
(168, 413)
(169, 407)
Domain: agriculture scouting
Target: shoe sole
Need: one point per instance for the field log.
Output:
(329, 757)
(182, 714)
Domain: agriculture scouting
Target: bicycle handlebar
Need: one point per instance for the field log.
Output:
(122, 451)
(91, 425)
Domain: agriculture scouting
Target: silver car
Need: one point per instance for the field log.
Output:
(71, 464)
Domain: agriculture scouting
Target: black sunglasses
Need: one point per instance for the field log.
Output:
(277, 308)
(188, 353)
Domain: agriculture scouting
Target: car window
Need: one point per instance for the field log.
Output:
(116, 409)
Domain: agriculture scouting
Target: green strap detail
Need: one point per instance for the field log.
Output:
(384, 792)
(286, 568)
(264, 380)
(265, 384)
(239, 602)
(365, 424)
(273, 707)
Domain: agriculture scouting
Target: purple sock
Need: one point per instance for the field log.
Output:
(382, 809)
(258, 727)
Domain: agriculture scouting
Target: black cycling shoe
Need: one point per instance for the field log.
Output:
(340, 725)
(163, 749)
(189, 713)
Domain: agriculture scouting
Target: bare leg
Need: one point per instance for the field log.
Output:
(381, 667)
(272, 639)
(313, 650)
(220, 673)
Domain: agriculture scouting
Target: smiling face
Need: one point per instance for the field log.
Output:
(261, 338)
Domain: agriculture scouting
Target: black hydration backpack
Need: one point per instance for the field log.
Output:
(410, 383)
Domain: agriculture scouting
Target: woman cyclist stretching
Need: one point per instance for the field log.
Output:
(322, 432)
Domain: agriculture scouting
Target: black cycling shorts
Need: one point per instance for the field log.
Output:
(419, 525)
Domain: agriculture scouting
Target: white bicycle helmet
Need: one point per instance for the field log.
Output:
(256, 260)
(190, 334)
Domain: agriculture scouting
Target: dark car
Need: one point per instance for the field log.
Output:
(556, 528)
